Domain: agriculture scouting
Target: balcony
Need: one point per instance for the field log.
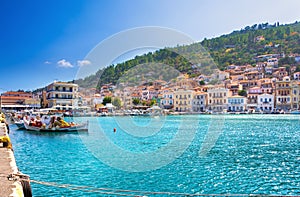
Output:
(54, 90)
(283, 87)
(235, 103)
(53, 97)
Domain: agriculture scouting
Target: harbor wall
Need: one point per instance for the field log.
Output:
(11, 184)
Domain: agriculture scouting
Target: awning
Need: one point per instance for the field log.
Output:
(15, 106)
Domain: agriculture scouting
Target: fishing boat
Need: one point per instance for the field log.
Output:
(20, 124)
(72, 128)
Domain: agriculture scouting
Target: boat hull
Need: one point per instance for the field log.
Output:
(79, 127)
(20, 125)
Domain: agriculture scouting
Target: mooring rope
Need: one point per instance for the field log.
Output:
(123, 192)
(135, 193)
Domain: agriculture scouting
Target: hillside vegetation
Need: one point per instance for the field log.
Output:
(239, 48)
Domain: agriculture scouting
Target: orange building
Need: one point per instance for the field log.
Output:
(19, 99)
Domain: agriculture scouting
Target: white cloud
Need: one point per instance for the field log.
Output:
(47, 62)
(83, 62)
(64, 64)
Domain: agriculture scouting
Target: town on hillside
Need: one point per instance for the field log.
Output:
(264, 88)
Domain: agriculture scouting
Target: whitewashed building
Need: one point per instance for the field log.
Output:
(167, 100)
(265, 102)
(62, 95)
(237, 103)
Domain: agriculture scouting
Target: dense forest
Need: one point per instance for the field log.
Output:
(239, 48)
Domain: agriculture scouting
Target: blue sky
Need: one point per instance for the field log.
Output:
(42, 41)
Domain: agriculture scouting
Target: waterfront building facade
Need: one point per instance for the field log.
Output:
(295, 93)
(62, 95)
(265, 102)
(283, 94)
(19, 100)
(167, 100)
(217, 99)
(199, 102)
(237, 103)
(252, 98)
(183, 100)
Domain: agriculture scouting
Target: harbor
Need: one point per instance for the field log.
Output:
(256, 159)
(150, 98)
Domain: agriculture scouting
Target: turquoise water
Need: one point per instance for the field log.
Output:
(241, 154)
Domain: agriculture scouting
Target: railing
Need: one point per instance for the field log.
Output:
(53, 97)
(60, 90)
(235, 103)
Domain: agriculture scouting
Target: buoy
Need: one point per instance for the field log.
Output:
(115, 130)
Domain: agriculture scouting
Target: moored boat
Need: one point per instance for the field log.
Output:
(20, 124)
(295, 112)
(71, 128)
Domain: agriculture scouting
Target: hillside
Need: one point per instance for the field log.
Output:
(239, 47)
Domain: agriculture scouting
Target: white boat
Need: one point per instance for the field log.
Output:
(20, 124)
(72, 128)
(295, 112)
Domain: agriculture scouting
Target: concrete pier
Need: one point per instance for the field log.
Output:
(8, 167)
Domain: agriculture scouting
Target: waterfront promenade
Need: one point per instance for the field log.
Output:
(8, 166)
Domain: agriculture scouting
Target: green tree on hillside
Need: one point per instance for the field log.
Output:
(117, 102)
(135, 101)
(106, 99)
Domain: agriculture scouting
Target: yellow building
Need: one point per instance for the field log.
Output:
(295, 92)
(183, 100)
(283, 94)
(217, 98)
